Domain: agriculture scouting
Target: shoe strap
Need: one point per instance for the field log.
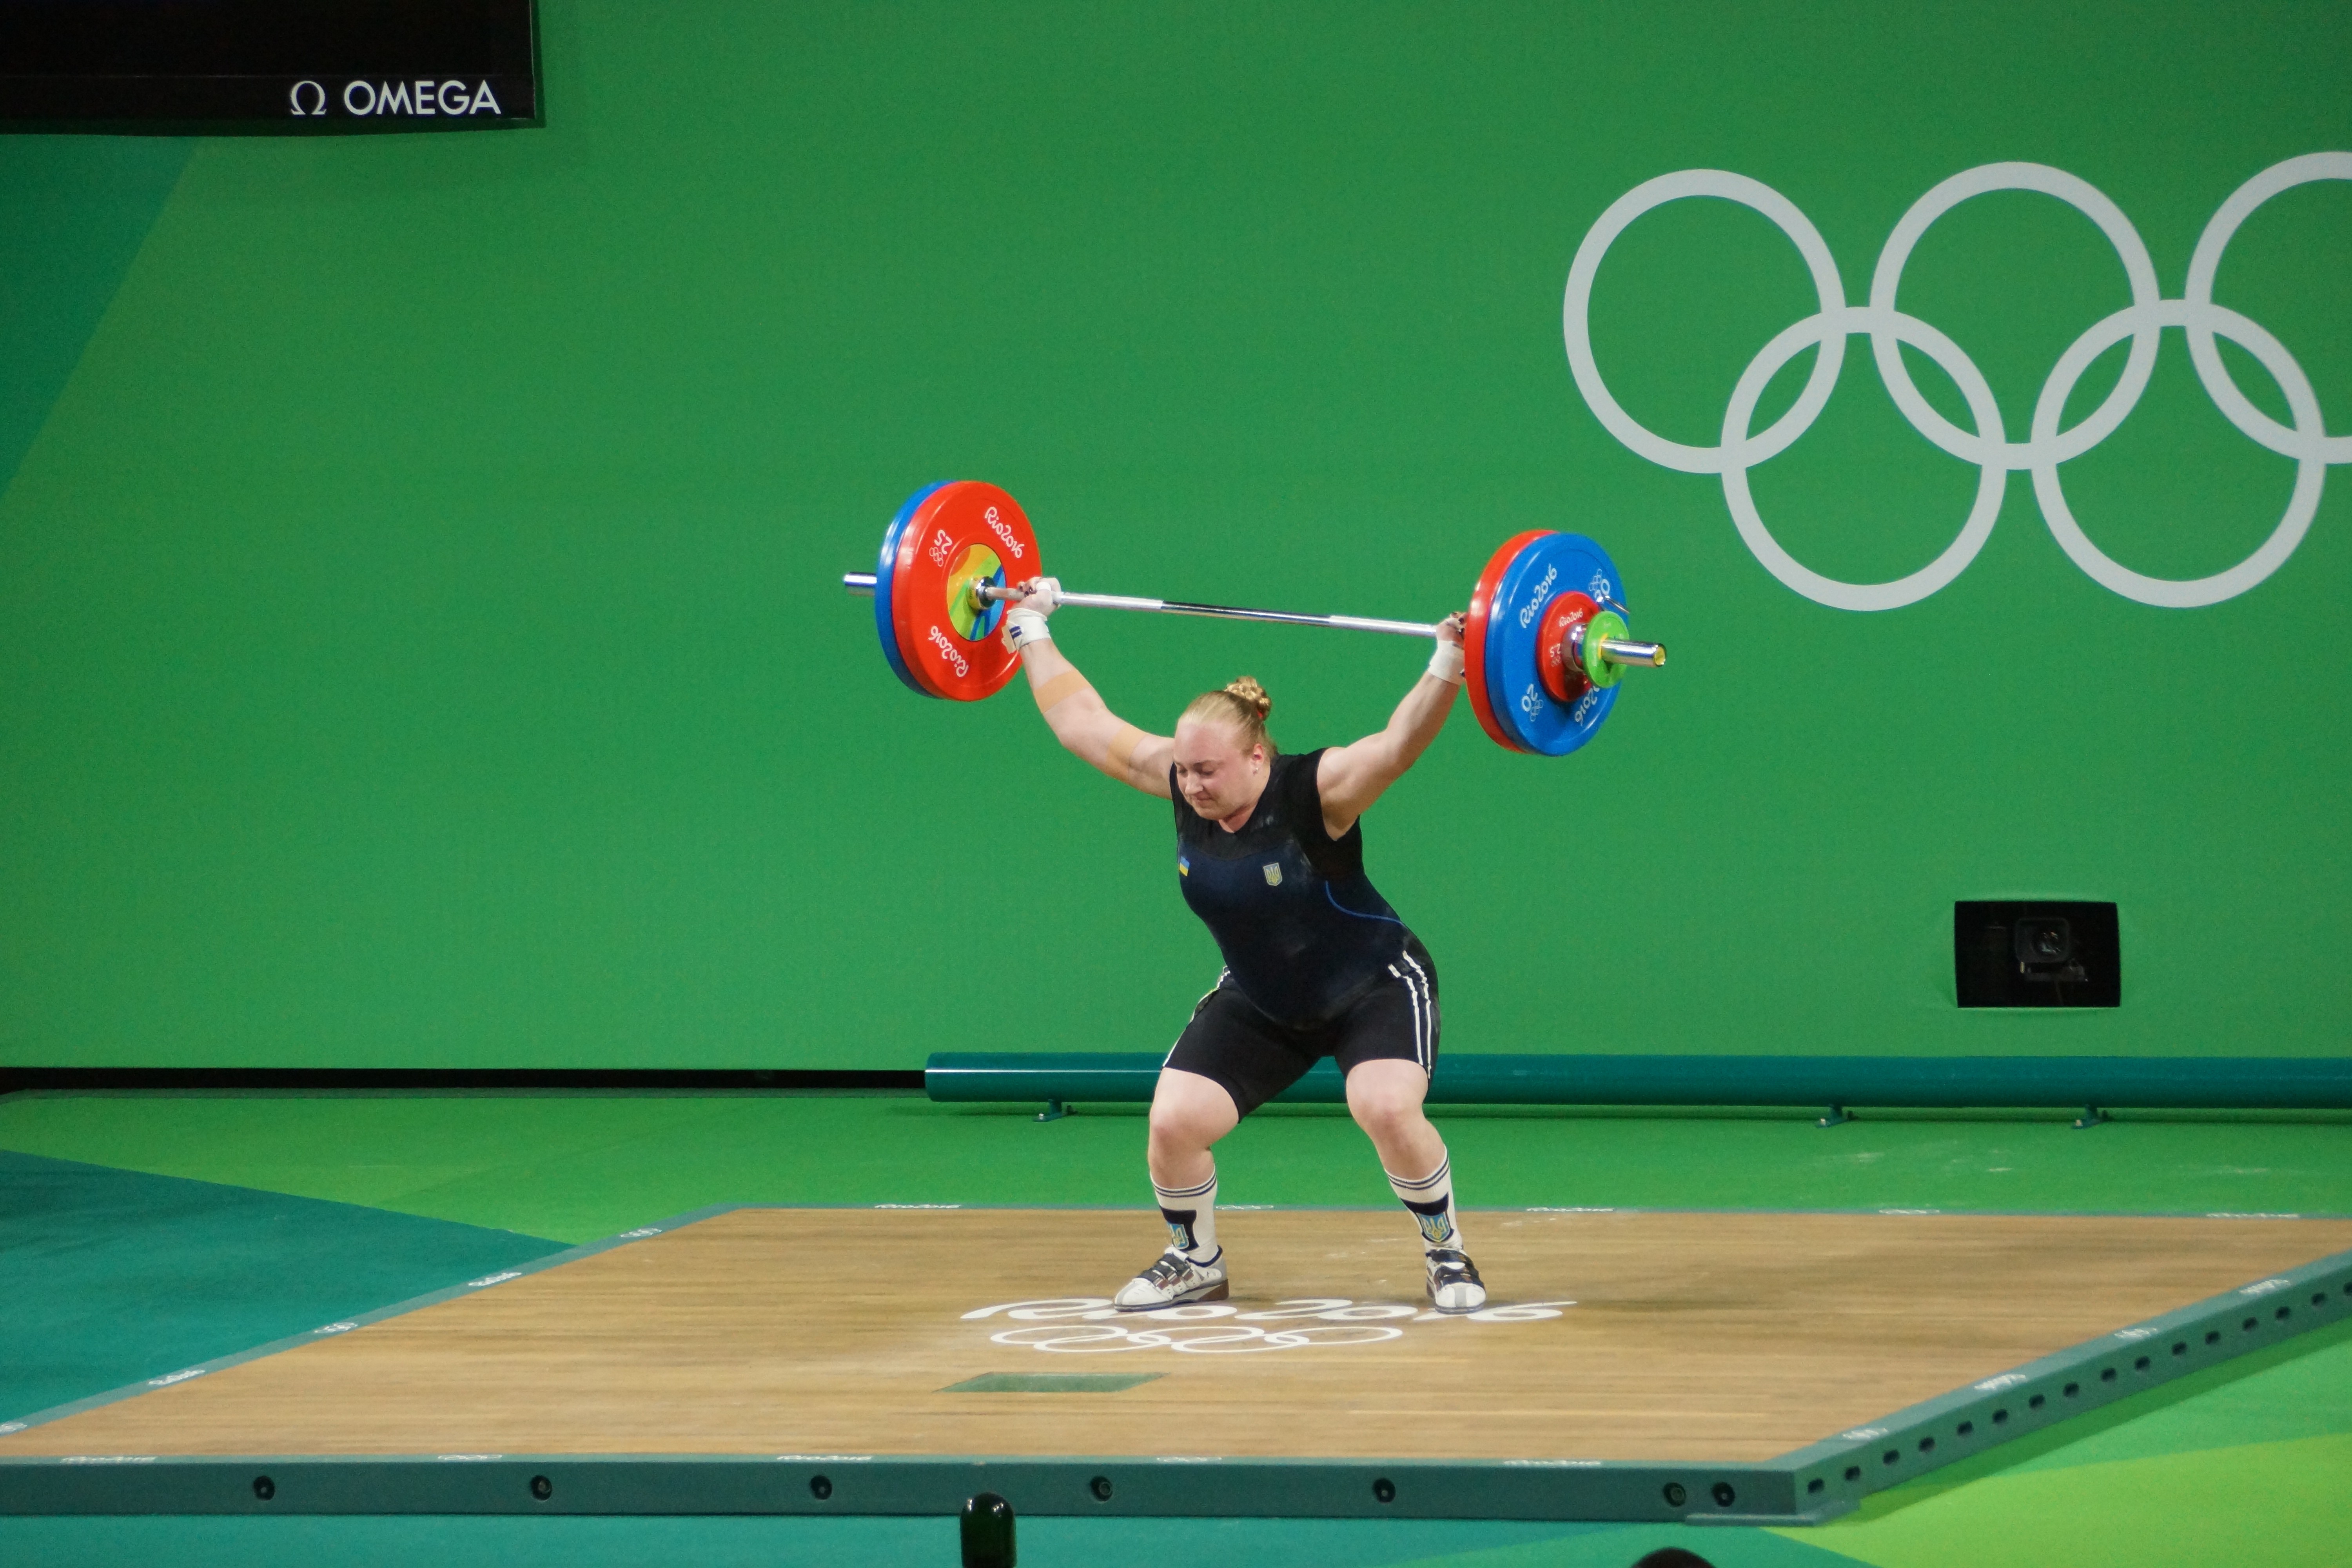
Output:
(1165, 1268)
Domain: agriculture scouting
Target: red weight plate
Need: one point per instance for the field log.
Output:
(1560, 664)
(1474, 640)
(968, 531)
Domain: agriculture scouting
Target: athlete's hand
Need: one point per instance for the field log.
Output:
(1447, 660)
(1024, 623)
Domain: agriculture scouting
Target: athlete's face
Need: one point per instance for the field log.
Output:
(1218, 778)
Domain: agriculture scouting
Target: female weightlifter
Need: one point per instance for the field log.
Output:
(1270, 855)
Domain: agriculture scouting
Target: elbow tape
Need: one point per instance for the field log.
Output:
(1069, 683)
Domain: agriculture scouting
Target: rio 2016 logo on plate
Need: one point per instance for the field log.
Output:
(2047, 445)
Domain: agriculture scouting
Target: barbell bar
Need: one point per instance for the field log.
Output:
(1616, 650)
(1545, 643)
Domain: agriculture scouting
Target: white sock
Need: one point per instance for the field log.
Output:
(1430, 1200)
(1191, 1217)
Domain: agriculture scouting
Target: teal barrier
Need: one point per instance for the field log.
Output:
(2148, 1083)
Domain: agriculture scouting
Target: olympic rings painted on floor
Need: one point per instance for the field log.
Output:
(1091, 1325)
(1222, 1340)
(2047, 445)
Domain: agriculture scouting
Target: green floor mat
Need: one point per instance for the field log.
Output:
(110, 1277)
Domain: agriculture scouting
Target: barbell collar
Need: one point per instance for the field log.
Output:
(1634, 655)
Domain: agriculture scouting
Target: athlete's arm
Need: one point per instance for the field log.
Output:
(1351, 777)
(1076, 714)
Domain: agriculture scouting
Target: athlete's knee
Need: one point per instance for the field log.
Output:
(1167, 1128)
(1179, 1127)
(1386, 1110)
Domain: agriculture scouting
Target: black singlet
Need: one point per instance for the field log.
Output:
(1303, 931)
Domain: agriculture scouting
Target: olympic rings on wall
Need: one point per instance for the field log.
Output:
(1988, 445)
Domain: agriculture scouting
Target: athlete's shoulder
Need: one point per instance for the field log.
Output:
(1298, 764)
(1292, 778)
(1297, 784)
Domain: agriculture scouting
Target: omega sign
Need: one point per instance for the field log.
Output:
(423, 98)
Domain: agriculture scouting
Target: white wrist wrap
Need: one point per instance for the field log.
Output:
(1025, 626)
(1446, 663)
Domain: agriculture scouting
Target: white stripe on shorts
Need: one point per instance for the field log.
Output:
(1416, 988)
(1429, 1029)
(1222, 975)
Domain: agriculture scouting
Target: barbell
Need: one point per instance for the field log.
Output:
(1546, 641)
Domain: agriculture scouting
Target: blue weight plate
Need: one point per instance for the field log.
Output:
(1548, 566)
(883, 624)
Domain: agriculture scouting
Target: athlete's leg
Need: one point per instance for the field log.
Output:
(1189, 1113)
(1385, 1095)
(1227, 1062)
(1388, 1048)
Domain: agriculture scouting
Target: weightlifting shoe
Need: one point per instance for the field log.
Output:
(1172, 1279)
(1454, 1282)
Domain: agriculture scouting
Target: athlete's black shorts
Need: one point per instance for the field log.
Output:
(1254, 1057)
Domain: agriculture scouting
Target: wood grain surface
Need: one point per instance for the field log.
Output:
(765, 1330)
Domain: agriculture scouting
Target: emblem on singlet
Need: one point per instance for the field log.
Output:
(1183, 867)
(1272, 869)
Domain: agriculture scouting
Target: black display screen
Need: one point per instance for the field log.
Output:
(275, 67)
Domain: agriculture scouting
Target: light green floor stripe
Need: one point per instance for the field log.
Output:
(576, 1167)
(2275, 1505)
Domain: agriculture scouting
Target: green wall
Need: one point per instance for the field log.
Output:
(420, 641)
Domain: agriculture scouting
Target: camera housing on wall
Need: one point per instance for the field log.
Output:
(2040, 952)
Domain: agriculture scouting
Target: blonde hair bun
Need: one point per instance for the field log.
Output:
(1254, 695)
(1244, 704)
